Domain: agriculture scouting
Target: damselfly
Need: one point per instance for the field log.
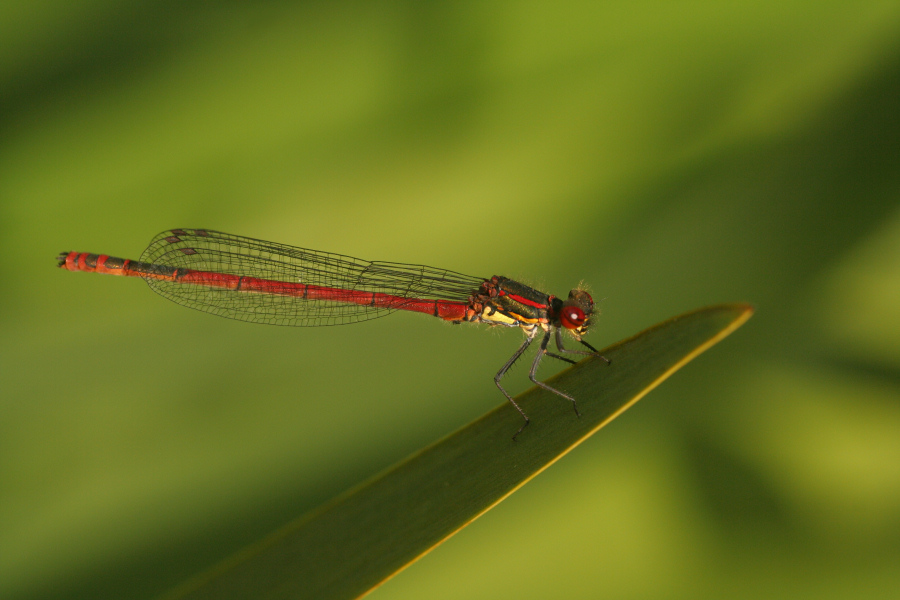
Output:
(264, 282)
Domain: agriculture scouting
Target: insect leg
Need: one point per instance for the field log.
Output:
(593, 352)
(503, 371)
(534, 367)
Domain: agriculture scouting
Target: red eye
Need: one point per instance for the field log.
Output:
(571, 317)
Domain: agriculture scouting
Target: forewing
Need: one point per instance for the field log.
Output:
(213, 251)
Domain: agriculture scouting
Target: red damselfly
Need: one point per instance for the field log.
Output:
(264, 282)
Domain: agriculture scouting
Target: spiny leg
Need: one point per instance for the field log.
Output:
(558, 357)
(506, 368)
(593, 351)
(534, 366)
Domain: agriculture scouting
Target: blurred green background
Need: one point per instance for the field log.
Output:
(670, 154)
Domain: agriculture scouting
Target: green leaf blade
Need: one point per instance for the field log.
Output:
(366, 535)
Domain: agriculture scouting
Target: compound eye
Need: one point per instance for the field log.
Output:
(581, 297)
(571, 317)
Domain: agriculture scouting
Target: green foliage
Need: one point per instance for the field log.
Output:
(366, 535)
(668, 155)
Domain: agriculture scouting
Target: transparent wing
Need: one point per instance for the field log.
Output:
(210, 251)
